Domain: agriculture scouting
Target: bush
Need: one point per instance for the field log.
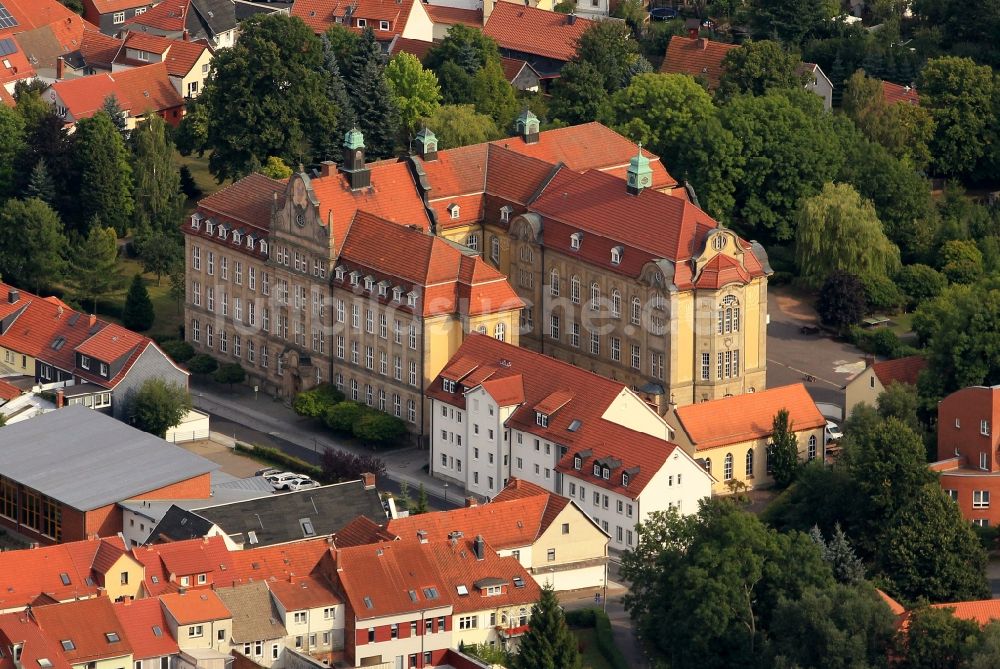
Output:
(881, 294)
(342, 416)
(179, 351)
(273, 456)
(599, 620)
(885, 343)
(581, 617)
(315, 403)
(202, 364)
(379, 429)
(338, 465)
(230, 373)
(920, 283)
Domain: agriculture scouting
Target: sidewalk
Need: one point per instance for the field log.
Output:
(271, 417)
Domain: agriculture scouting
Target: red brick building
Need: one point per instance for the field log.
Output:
(968, 460)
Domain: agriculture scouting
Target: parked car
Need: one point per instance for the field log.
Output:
(303, 483)
(267, 471)
(663, 13)
(275, 479)
(833, 432)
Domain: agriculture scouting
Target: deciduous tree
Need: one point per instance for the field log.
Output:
(609, 47)
(415, 91)
(961, 261)
(841, 300)
(229, 374)
(758, 66)
(920, 283)
(158, 406)
(460, 125)
(578, 95)
(11, 144)
(791, 22)
(493, 95)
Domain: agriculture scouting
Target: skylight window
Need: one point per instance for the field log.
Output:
(575, 425)
(431, 593)
(518, 582)
(462, 590)
(44, 662)
(413, 595)
(67, 644)
(307, 527)
(157, 630)
(64, 577)
(155, 579)
(368, 603)
(112, 637)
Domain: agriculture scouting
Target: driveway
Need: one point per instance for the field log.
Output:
(792, 355)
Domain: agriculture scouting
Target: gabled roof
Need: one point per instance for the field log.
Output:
(254, 615)
(99, 50)
(247, 201)
(181, 56)
(360, 531)
(92, 626)
(31, 14)
(8, 391)
(746, 417)
(37, 646)
(111, 343)
(450, 16)
(513, 66)
(516, 27)
(895, 93)
(195, 606)
(903, 370)
(298, 593)
(321, 14)
(59, 572)
(138, 90)
(698, 57)
(200, 18)
(461, 571)
(96, 467)
(280, 562)
(983, 611)
(169, 15)
(207, 556)
(109, 6)
(720, 271)
(146, 627)
(390, 579)
(416, 47)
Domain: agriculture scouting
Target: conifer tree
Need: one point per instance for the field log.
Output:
(40, 184)
(115, 112)
(101, 161)
(94, 267)
(548, 644)
(421, 505)
(784, 450)
(373, 103)
(33, 250)
(328, 146)
(138, 313)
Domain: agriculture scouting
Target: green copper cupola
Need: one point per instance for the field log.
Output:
(640, 174)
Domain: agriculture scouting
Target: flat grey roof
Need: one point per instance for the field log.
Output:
(87, 460)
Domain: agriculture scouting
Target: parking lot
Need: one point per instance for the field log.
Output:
(792, 355)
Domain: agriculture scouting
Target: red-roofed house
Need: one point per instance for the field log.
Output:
(111, 15)
(187, 62)
(88, 630)
(967, 449)
(35, 35)
(697, 56)
(311, 611)
(23, 644)
(549, 534)
(521, 74)
(500, 411)
(138, 90)
(444, 17)
(731, 435)
(360, 232)
(145, 624)
(211, 21)
(877, 376)
(545, 39)
(388, 19)
(198, 619)
(895, 93)
(196, 563)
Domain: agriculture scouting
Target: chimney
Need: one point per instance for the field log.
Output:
(693, 33)
(327, 168)
(60, 398)
(571, 19)
(60, 67)
(184, 35)
(470, 502)
(869, 360)
(703, 43)
(479, 546)
(369, 480)
(13, 295)
(93, 320)
(422, 536)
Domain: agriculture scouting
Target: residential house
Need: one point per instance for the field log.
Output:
(895, 93)
(97, 53)
(817, 83)
(521, 74)
(211, 21)
(593, 9)
(444, 17)
(500, 411)
(398, 608)
(111, 15)
(115, 571)
(311, 611)
(89, 632)
(145, 624)
(546, 39)
(332, 278)
(34, 34)
(877, 376)
(698, 57)
(55, 489)
(275, 519)
(194, 564)
(187, 62)
(257, 630)
(416, 47)
(198, 619)
(968, 464)
(139, 91)
(731, 436)
(388, 19)
(23, 644)
(549, 535)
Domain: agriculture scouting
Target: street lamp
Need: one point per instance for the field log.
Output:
(446, 493)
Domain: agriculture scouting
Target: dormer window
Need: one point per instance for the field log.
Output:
(505, 212)
(369, 283)
(616, 255)
(362, 23)
(339, 272)
(250, 241)
(597, 470)
(237, 236)
(222, 232)
(449, 385)
(383, 25)
(85, 362)
(577, 462)
(209, 227)
(624, 480)
(263, 247)
(397, 294)
(541, 419)
(104, 369)
(355, 278)
(574, 240)
(454, 210)
(605, 473)
(196, 221)
(411, 300)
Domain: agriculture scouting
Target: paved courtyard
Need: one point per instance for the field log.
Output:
(232, 462)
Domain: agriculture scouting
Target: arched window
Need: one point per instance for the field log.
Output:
(481, 329)
(574, 290)
(811, 453)
(595, 297)
(500, 332)
(636, 311)
(729, 315)
(616, 303)
(749, 465)
(727, 468)
(526, 254)
(554, 282)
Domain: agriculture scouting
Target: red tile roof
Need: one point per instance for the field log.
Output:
(247, 201)
(895, 93)
(449, 281)
(732, 420)
(112, 343)
(86, 623)
(698, 57)
(19, 628)
(720, 271)
(181, 56)
(99, 49)
(903, 370)
(31, 14)
(504, 524)
(183, 558)
(279, 562)
(385, 574)
(139, 90)
(109, 6)
(454, 15)
(34, 572)
(8, 391)
(512, 67)
(321, 14)
(457, 564)
(15, 66)
(416, 47)
(360, 531)
(141, 619)
(304, 592)
(169, 16)
(535, 31)
(195, 606)
(983, 611)
(6, 98)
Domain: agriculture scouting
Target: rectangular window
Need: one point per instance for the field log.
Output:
(616, 349)
(211, 263)
(224, 265)
(118, 18)
(984, 428)
(252, 278)
(554, 326)
(980, 499)
(636, 356)
(706, 366)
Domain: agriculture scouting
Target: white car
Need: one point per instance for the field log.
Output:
(833, 432)
(279, 478)
(300, 484)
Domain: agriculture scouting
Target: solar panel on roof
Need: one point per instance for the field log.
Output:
(7, 46)
(6, 20)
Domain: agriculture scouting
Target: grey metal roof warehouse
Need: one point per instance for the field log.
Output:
(87, 460)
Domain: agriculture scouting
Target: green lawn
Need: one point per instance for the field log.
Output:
(199, 171)
(168, 318)
(592, 658)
